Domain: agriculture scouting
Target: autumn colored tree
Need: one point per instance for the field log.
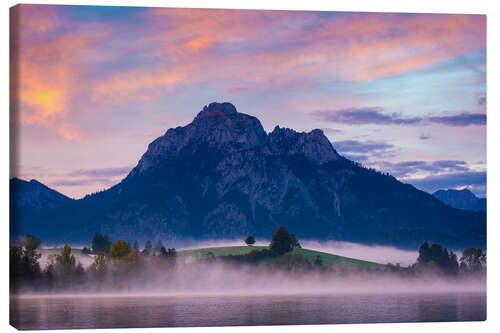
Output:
(65, 262)
(99, 267)
(119, 250)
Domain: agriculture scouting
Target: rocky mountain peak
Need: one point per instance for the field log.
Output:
(314, 145)
(217, 125)
(461, 199)
(216, 109)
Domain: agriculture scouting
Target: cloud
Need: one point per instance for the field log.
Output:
(48, 74)
(364, 150)
(362, 147)
(159, 50)
(405, 169)
(375, 116)
(463, 119)
(356, 157)
(102, 172)
(481, 100)
(449, 181)
(100, 178)
(367, 115)
(331, 130)
(103, 182)
(433, 175)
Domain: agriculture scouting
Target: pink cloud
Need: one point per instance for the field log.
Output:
(235, 50)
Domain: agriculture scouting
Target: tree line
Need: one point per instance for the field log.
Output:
(113, 262)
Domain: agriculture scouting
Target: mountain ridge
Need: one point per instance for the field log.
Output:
(461, 199)
(223, 176)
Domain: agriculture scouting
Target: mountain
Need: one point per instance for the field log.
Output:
(223, 176)
(461, 199)
(29, 199)
(35, 195)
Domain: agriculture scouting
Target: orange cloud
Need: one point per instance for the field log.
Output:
(258, 50)
(46, 74)
(283, 49)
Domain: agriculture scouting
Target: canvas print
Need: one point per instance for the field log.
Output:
(217, 167)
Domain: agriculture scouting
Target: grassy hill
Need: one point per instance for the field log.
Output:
(329, 260)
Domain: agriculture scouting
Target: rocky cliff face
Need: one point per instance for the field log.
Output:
(223, 176)
(461, 199)
(217, 125)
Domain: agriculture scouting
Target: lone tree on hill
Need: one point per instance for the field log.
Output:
(250, 240)
(282, 242)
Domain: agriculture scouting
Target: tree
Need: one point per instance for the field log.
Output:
(31, 244)
(119, 250)
(131, 261)
(148, 248)
(250, 240)
(158, 246)
(136, 246)
(99, 267)
(295, 242)
(86, 250)
(318, 262)
(65, 268)
(438, 256)
(100, 243)
(473, 259)
(24, 260)
(168, 257)
(281, 241)
(65, 262)
(293, 262)
(209, 256)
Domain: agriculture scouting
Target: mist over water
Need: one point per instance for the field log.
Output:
(218, 292)
(201, 278)
(376, 253)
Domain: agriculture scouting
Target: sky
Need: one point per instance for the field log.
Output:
(92, 86)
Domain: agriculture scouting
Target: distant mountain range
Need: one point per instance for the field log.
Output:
(461, 199)
(29, 199)
(223, 176)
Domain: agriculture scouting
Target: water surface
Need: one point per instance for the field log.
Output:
(65, 312)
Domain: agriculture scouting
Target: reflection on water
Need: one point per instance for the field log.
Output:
(36, 312)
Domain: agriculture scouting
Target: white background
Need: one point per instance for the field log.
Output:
(420, 6)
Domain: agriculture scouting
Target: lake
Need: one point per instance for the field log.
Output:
(65, 312)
